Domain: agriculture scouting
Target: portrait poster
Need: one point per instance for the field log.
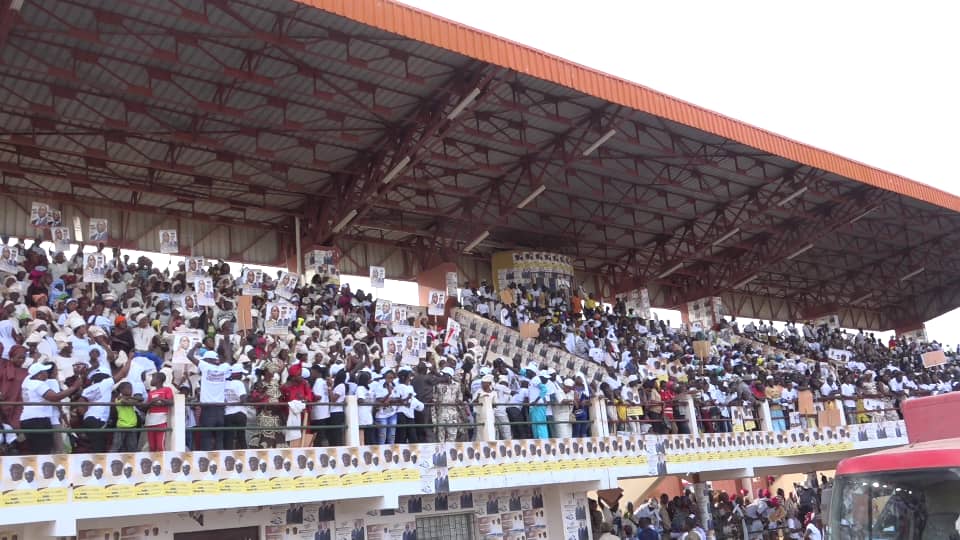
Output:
(378, 276)
(452, 284)
(287, 284)
(252, 282)
(436, 302)
(183, 342)
(169, 242)
(194, 267)
(204, 290)
(383, 312)
(190, 305)
(97, 230)
(42, 215)
(453, 331)
(94, 267)
(279, 317)
(8, 259)
(61, 238)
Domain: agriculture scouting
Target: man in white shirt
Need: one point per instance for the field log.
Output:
(320, 414)
(213, 382)
(235, 416)
(849, 393)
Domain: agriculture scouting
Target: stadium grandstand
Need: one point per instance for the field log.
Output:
(541, 207)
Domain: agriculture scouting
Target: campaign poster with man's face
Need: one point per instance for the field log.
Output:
(97, 230)
(168, 241)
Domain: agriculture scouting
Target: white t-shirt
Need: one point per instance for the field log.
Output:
(404, 392)
(365, 413)
(139, 365)
(213, 381)
(340, 390)
(321, 394)
(142, 338)
(813, 532)
(232, 392)
(33, 391)
(848, 390)
(101, 392)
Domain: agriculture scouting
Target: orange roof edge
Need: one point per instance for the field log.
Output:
(426, 27)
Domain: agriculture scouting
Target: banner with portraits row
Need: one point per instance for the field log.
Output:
(59, 479)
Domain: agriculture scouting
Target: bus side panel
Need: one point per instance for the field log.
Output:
(927, 417)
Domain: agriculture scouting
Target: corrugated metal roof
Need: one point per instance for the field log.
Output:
(434, 30)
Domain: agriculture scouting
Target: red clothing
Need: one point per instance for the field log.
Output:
(165, 393)
(294, 392)
(11, 382)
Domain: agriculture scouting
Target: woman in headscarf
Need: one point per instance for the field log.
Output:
(538, 409)
(266, 395)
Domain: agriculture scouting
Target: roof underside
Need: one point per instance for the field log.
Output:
(222, 115)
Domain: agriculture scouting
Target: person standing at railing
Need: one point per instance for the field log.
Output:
(235, 414)
(538, 406)
(502, 395)
(158, 403)
(366, 402)
(448, 396)
(486, 390)
(12, 375)
(99, 390)
(386, 397)
(516, 411)
(773, 393)
(213, 380)
(405, 410)
(36, 390)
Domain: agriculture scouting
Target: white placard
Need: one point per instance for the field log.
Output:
(204, 288)
(94, 267)
(436, 301)
(169, 242)
(378, 275)
(61, 238)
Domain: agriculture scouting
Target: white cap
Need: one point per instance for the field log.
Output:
(210, 355)
(448, 371)
(38, 367)
(237, 368)
(487, 379)
(568, 382)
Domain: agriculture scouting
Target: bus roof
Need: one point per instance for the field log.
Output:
(926, 455)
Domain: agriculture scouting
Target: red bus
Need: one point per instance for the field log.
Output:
(906, 493)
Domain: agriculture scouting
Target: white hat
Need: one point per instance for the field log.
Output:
(96, 331)
(35, 337)
(77, 323)
(237, 368)
(210, 355)
(487, 379)
(503, 378)
(544, 374)
(568, 382)
(448, 371)
(38, 367)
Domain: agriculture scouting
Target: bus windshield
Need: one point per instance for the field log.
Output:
(922, 504)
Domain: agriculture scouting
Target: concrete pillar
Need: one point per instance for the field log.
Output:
(553, 505)
(176, 440)
(701, 490)
(838, 403)
(692, 417)
(351, 413)
(487, 430)
(766, 420)
(598, 413)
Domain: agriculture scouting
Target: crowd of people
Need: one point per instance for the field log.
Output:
(764, 515)
(108, 357)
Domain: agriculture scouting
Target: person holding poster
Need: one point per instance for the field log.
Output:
(279, 318)
(168, 241)
(190, 305)
(98, 230)
(383, 311)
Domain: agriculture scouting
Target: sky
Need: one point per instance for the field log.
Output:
(872, 81)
